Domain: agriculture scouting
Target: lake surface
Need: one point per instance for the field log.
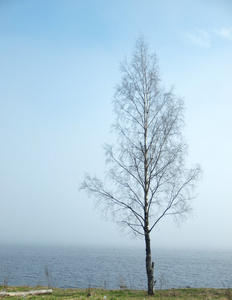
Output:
(81, 267)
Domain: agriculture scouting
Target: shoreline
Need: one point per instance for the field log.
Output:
(49, 293)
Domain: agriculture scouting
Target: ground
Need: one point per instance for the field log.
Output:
(101, 294)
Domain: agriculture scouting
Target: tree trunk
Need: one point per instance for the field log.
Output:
(149, 265)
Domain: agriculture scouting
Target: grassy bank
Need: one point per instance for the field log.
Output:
(102, 294)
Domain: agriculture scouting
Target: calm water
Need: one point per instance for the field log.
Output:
(106, 267)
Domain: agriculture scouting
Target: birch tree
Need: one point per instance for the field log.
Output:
(146, 179)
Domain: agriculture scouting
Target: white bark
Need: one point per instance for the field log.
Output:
(19, 294)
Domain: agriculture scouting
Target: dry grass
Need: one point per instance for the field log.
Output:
(102, 294)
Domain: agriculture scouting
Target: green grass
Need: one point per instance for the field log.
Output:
(101, 294)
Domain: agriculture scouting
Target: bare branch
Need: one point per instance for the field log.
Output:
(147, 175)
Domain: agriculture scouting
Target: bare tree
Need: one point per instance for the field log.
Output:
(146, 179)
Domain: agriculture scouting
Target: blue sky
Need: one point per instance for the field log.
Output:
(59, 63)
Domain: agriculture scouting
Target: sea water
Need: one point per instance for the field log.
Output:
(82, 267)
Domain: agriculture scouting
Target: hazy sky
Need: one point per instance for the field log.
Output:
(59, 63)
